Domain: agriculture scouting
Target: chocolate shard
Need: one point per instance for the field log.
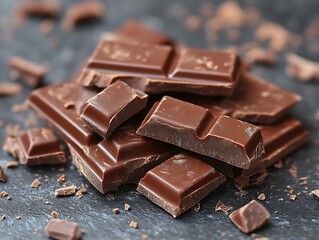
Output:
(63, 230)
(165, 68)
(192, 127)
(123, 158)
(47, 8)
(250, 217)
(3, 176)
(111, 107)
(7, 89)
(38, 147)
(179, 183)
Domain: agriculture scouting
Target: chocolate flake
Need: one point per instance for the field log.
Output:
(54, 214)
(3, 194)
(29, 8)
(3, 176)
(20, 107)
(7, 89)
(315, 193)
(279, 164)
(12, 164)
(61, 179)
(66, 191)
(81, 192)
(63, 229)
(197, 207)
(221, 207)
(262, 197)
(261, 56)
(133, 224)
(2, 218)
(36, 183)
(116, 210)
(127, 207)
(293, 197)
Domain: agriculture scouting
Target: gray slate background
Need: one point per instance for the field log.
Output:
(289, 220)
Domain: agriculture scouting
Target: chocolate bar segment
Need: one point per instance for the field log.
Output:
(194, 128)
(111, 107)
(162, 68)
(179, 183)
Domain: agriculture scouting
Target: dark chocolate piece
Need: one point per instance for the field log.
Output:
(32, 73)
(38, 147)
(250, 217)
(194, 128)
(159, 68)
(179, 183)
(123, 158)
(63, 230)
(111, 107)
(7, 88)
(3, 176)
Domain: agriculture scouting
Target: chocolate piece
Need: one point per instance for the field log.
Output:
(63, 230)
(81, 12)
(38, 8)
(54, 214)
(32, 73)
(159, 68)
(221, 207)
(261, 56)
(111, 107)
(7, 89)
(12, 164)
(133, 224)
(38, 147)
(194, 128)
(123, 158)
(250, 217)
(315, 193)
(36, 183)
(179, 183)
(3, 176)
(66, 191)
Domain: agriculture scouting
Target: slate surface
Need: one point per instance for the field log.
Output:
(66, 50)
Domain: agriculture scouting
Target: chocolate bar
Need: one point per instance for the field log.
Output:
(158, 68)
(194, 128)
(36, 147)
(123, 158)
(179, 183)
(111, 107)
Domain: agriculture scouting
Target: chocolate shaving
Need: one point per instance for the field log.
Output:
(302, 69)
(315, 193)
(3, 176)
(61, 179)
(7, 89)
(193, 23)
(36, 183)
(261, 56)
(13, 131)
(12, 164)
(18, 217)
(127, 207)
(221, 207)
(66, 191)
(20, 107)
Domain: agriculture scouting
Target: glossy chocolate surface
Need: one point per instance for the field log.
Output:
(194, 128)
(179, 183)
(111, 107)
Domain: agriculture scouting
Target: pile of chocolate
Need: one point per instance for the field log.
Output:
(176, 121)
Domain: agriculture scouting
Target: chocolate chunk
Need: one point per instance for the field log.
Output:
(315, 193)
(61, 179)
(38, 8)
(12, 164)
(127, 207)
(250, 217)
(37, 147)
(3, 194)
(123, 158)
(66, 191)
(54, 214)
(159, 68)
(230, 140)
(3, 176)
(221, 207)
(179, 183)
(7, 89)
(116, 210)
(82, 11)
(63, 230)
(36, 183)
(111, 107)
(32, 73)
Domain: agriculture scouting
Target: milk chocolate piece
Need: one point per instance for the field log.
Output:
(111, 107)
(250, 217)
(194, 128)
(66, 191)
(32, 73)
(7, 88)
(3, 176)
(123, 158)
(179, 183)
(38, 147)
(63, 230)
(159, 68)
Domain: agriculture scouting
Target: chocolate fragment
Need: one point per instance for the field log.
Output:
(3, 176)
(179, 183)
(230, 140)
(61, 179)
(81, 12)
(63, 230)
(221, 207)
(36, 147)
(261, 56)
(315, 193)
(250, 217)
(7, 89)
(127, 207)
(111, 107)
(116, 210)
(81, 192)
(38, 8)
(36, 183)
(66, 191)
(156, 69)
(32, 73)
(3, 194)
(54, 214)
(133, 224)
(12, 164)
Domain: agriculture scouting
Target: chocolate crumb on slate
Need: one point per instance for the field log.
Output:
(315, 193)
(20, 107)
(3, 194)
(12, 164)
(66, 191)
(3, 176)
(63, 229)
(127, 207)
(61, 179)
(29, 8)
(262, 197)
(261, 56)
(81, 192)
(81, 12)
(301, 69)
(221, 207)
(54, 214)
(7, 89)
(133, 224)
(196, 207)
(116, 210)
(36, 183)
(250, 217)
(293, 197)
(18, 217)
(2, 217)
(30, 72)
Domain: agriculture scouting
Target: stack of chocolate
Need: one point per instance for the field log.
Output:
(174, 120)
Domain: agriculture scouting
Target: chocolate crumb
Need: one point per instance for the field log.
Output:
(36, 183)
(116, 210)
(7, 89)
(12, 164)
(262, 197)
(81, 192)
(315, 193)
(293, 197)
(221, 207)
(18, 217)
(133, 224)
(2, 218)
(127, 207)
(197, 207)
(3, 176)
(3, 194)
(54, 214)
(20, 107)
(261, 56)
(66, 191)
(61, 179)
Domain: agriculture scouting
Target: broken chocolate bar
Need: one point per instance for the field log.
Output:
(250, 217)
(111, 107)
(158, 68)
(63, 230)
(194, 128)
(37, 147)
(179, 183)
